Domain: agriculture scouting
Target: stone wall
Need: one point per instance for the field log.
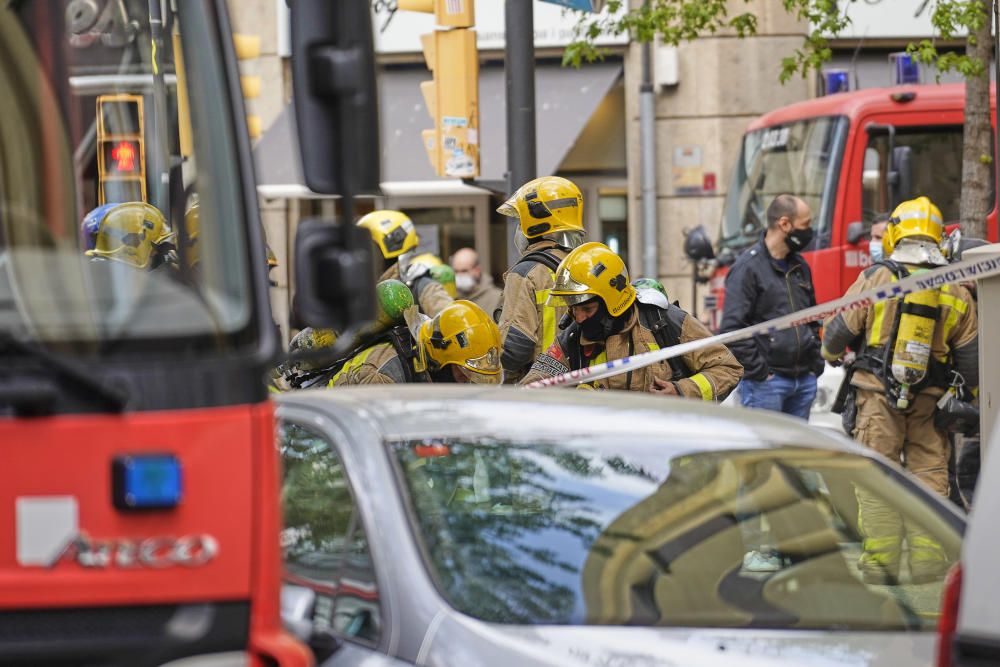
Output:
(724, 82)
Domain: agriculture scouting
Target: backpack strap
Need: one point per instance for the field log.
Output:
(541, 257)
(666, 324)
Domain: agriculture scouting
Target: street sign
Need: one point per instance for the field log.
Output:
(580, 5)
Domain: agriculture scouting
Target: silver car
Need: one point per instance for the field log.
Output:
(437, 525)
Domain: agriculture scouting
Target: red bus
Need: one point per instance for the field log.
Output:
(139, 476)
(850, 156)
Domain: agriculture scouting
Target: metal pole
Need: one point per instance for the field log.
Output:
(647, 156)
(519, 69)
(996, 93)
(160, 162)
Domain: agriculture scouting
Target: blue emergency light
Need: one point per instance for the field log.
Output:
(905, 69)
(836, 81)
(146, 482)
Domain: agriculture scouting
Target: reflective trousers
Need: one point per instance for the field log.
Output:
(908, 438)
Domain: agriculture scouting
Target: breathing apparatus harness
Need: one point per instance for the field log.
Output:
(905, 365)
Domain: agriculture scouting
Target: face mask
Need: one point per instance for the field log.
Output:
(601, 324)
(798, 239)
(465, 282)
(875, 250)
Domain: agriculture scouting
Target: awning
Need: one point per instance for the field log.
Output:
(565, 99)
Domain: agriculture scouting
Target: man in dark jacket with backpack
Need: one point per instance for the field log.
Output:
(767, 281)
(608, 320)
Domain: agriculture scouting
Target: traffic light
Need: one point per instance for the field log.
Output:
(121, 152)
(452, 97)
(248, 48)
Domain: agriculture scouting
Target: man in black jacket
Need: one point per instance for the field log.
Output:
(770, 280)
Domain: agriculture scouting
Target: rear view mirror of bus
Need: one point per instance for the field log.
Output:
(336, 102)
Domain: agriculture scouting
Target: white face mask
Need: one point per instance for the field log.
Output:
(875, 249)
(465, 282)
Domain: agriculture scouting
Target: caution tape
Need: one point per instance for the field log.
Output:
(973, 269)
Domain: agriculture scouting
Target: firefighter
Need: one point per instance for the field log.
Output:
(908, 351)
(550, 215)
(396, 237)
(459, 344)
(609, 320)
(132, 233)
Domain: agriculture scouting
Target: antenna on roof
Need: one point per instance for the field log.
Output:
(854, 59)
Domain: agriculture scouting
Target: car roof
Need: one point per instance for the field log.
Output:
(421, 410)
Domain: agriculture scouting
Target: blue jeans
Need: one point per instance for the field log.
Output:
(781, 393)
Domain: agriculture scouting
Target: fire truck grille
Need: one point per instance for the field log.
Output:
(96, 624)
(120, 636)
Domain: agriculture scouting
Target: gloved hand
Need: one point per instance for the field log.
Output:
(411, 273)
(834, 360)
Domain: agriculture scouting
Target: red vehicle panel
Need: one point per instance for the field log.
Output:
(850, 181)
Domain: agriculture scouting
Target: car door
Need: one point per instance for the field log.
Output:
(977, 638)
(331, 593)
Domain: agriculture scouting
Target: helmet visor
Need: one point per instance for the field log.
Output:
(567, 300)
(509, 207)
(475, 377)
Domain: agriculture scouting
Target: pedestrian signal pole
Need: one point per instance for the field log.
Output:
(452, 97)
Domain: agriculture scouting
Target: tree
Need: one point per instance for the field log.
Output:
(677, 21)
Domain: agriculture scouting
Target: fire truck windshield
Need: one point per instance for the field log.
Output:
(800, 158)
(123, 206)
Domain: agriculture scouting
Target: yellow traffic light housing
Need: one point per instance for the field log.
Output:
(448, 13)
(121, 151)
(452, 97)
(248, 48)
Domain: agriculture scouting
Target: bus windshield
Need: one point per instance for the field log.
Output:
(122, 212)
(800, 158)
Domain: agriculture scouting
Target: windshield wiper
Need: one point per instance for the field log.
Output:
(37, 396)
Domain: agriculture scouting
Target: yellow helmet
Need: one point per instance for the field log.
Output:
(546, 205)
(392, 231)
(593, 270)
(461, 335)
(127, 232)
(914, 218)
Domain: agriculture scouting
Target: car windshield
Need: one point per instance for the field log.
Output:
(121, 209)
(800, 158)
(620, 533)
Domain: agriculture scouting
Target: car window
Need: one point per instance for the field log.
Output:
(324, 542)
(620, 533)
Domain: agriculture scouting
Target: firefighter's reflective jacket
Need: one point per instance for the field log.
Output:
(389, 360)
(527, 325)
(710, 373)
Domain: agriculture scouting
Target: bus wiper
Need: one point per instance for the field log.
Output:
(35, 395)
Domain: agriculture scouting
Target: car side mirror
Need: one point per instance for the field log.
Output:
(336, 102)
(334, 277)
(855, 232)
(297, 606)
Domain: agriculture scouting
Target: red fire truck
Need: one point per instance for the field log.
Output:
(139, 485)
(850, 156)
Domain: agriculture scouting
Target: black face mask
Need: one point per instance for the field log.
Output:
(601, 324)
(798, 239)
